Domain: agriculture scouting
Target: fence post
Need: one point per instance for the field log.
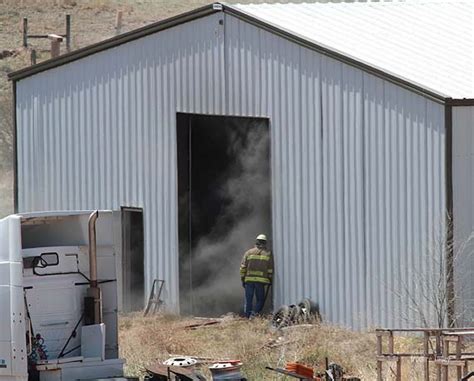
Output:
(379, 354)
(55, 44)
(33, 56)
(68, 33)
(118, 22)
(426, 361)
(25, 32)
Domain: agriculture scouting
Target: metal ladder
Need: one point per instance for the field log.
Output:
(154, 301)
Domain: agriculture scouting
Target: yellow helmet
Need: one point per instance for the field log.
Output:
(261, 237)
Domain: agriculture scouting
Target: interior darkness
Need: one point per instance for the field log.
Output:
(132, 259)
(224, 202)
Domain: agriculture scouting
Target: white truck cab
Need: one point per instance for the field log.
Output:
(58, 297)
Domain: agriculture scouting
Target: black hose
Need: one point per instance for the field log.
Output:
(73, 334)
(65, 273)
(71, 350)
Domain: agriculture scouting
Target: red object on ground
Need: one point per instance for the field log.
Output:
(300, 369)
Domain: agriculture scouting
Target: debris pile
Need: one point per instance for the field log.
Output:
(220, 340)
(333, 372)
(184, 368)
(226, 370)
(304, 312)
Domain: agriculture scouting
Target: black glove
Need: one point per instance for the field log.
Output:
(243, 284)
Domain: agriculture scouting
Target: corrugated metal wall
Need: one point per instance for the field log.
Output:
(358, 177)
(463, 208)
(357, 162)
(101, 132)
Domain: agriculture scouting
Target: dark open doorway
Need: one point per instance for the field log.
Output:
(224, 190)
(132, 259)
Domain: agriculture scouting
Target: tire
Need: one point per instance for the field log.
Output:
(281, 318)
(309, 310)
(296, 315)
(305, 306)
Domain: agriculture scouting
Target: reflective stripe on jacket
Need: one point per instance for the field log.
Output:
(257, 266)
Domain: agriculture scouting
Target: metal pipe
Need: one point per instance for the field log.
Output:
(93, 249)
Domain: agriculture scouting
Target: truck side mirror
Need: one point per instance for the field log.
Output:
(47, 259)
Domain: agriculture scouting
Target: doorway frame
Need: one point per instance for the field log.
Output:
(126, 297)
(189, 116)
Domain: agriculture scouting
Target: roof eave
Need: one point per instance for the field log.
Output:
(459, 102)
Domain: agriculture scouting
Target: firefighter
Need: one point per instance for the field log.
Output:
(256, 272)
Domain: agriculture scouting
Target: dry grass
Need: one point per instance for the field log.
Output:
(151, 340)
(145, 341)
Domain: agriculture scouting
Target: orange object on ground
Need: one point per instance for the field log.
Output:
(300, 369)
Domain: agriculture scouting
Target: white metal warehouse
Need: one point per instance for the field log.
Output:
(370, 110)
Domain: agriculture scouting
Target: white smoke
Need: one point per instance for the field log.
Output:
(246, 192)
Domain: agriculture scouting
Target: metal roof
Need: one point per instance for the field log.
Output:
(427, 42)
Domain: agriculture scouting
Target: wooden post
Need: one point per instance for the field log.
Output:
(55, 45)
(118, 22)
(25, 32)
(68, 33)
(391, 352)
(438, 354)
(445, 357)
(33, 57)
(458, 357)
(398, 375)
(426, 362)
(390, 343)
(379, 353)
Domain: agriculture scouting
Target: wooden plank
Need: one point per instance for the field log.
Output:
(379, 354)
(390, 343)
(442, 362)
(452, 339)
(458, 357)
(426, 361)
(447, 363)
(460, 333)
(398, 375)
(388, 358)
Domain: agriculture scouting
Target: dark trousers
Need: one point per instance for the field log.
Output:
(251, 289)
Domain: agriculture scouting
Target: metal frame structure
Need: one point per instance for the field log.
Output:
(436, 350)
